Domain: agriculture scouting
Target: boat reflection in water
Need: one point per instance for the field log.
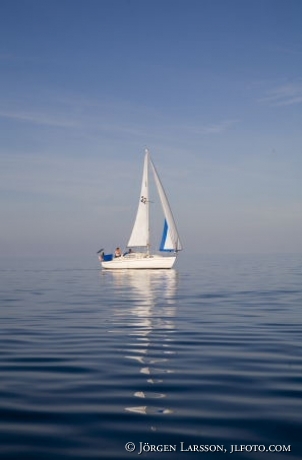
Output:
(148, 312)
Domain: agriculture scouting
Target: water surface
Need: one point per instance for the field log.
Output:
(206, 354)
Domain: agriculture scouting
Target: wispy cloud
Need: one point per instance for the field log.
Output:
(287, 94)
(37, 118)
(214, 128)
(294, 50)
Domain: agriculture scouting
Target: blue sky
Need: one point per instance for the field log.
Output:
(212, 87)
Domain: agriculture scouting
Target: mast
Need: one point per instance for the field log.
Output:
(147, 162)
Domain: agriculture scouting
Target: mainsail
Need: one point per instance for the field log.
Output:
(140, 231)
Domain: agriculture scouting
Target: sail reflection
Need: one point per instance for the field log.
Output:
(148, 311)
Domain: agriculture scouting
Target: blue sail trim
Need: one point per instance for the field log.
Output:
(164, 237)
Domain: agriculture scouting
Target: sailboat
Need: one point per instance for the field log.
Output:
(139, 254)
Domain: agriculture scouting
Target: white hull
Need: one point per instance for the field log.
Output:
(140, 261)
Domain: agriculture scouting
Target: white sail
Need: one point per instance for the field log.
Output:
(170, 241)
(140, 231)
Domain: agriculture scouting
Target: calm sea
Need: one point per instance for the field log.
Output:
(175, 363)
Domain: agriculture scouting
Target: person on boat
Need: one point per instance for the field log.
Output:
(118, 252)
(129, 252)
